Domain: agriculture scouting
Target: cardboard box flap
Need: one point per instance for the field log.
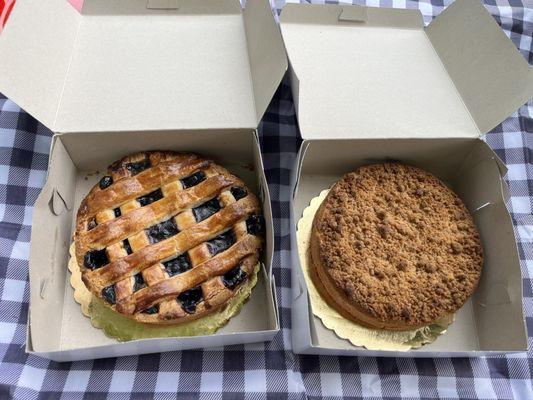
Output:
(158, 65)
(165, 7)
(373, 73)
(373, 76)
(266, 52)
(34, 57)
(490, 74)
(348, 15)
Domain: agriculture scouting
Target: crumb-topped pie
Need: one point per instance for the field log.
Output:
(167, 237)
(392, 247)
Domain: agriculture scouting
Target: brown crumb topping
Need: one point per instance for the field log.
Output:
(399, 244)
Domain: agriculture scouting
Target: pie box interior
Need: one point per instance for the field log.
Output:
(125, 76)
(374, 84)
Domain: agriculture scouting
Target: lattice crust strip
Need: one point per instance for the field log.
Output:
(167, 237)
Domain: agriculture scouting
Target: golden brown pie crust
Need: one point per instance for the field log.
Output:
(125, 213)
(393, 248)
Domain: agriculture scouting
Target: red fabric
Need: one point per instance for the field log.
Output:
(5, 10)
(77, 4)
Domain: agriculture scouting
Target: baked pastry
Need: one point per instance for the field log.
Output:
(393, 248)
(167, 237)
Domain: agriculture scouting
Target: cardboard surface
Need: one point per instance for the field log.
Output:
(361, 81)
(56, 321)
(354, 16)
(384, 75)
(266, 53)
(137, 66)
(470, 168)
(28, 49)
(491, 75)
(160, 7)
(125, 66)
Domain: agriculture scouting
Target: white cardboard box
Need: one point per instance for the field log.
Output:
(125, 76)
(374, 84)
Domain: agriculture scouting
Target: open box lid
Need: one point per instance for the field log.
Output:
(132, 65)
(373, 72)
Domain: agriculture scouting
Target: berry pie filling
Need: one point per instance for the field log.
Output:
(255, 225)
(233, 277)
(139, 166)
(151, 310)
(105, 182)
(150, 197)
(139, 282)
(162, 231)
(222, 242)
(127, 246)
(206, 209)
(238, 192)
(178, 265)
(190, 299)
(91, 224)
(108, 293)
(193, 179)
(94, 259)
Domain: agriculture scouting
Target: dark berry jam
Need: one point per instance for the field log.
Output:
(190, 299)
(222, 242)
(238, 192)
(105, 182)
(152, 310)
(162, 231)
(95, 259)
(139, 166)
(127, 246)
(139, 282)
(193, 179)
(150, 197)
(233, 277)
(108, 293)
(91, 224)
(205, 210)
(255, 224)
(178, 265)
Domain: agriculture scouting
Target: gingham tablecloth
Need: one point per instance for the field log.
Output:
(264, 370)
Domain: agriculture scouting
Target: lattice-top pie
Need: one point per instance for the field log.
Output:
(167, 237)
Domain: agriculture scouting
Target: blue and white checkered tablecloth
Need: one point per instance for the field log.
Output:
(264, 370)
